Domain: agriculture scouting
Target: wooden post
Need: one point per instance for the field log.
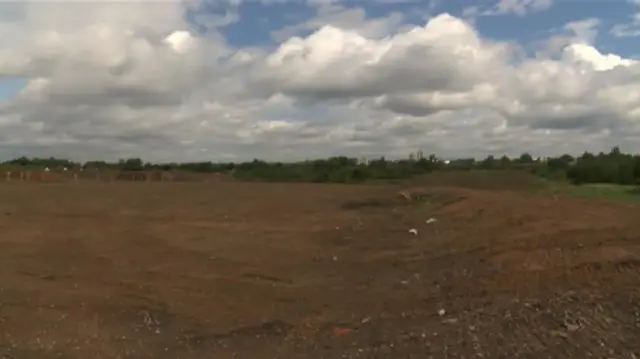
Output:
(8, 176)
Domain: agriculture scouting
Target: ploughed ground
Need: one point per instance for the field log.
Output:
(232, 270)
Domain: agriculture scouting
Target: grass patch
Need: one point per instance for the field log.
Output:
(602, 191)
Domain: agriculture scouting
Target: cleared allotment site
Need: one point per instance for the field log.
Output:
(128, 269)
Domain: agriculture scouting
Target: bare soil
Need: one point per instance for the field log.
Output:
(232, 270)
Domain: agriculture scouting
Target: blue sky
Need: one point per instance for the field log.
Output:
(9, 87)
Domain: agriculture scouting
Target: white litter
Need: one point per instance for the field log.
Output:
(431, 220)
(413, 231)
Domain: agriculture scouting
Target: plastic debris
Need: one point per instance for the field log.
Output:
(413, 231)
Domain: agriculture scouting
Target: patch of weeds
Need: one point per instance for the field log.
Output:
(602, 191)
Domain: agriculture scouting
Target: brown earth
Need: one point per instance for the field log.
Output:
(231, 270)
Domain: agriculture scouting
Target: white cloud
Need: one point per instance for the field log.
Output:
(506, 7)
(331, 13)
(631, 28)
(442, 66)
(334, 63)
(522, 7)
(135, 79)
(582, 53)
(582, 31)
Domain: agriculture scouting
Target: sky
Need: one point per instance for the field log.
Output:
(234, 80)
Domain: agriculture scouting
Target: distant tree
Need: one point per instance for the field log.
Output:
(615, 151)
(505, 162)
(613, 166)
(525, 158)
(488, 163)
(132, 164)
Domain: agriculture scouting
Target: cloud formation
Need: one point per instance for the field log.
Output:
(505, 7)
(630, 28)
(108, 80)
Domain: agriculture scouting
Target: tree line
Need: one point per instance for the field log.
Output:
(612, 167)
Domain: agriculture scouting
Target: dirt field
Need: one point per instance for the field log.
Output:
(230, 270)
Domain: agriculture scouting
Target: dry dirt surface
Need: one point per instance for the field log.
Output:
(231, 270)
